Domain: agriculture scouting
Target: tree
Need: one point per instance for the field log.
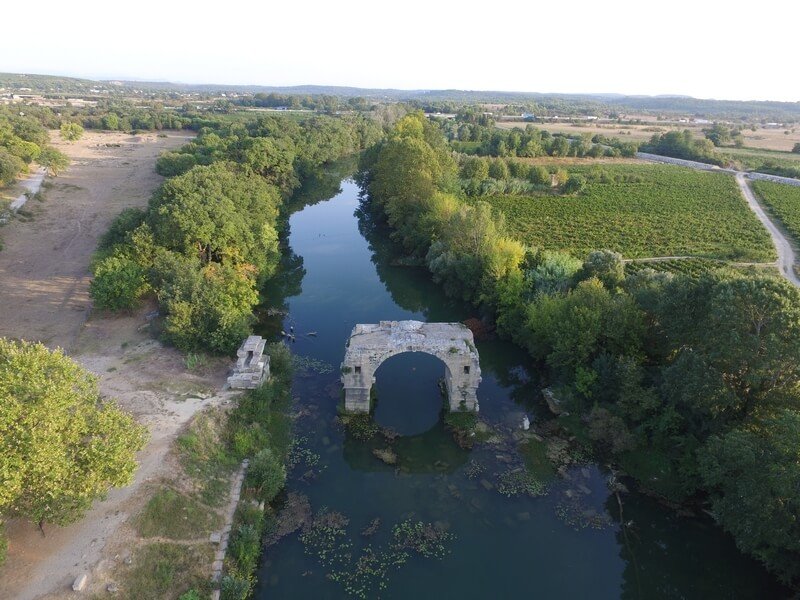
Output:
(71, 132)
(119, 283)
(475, 168)
(539, 175)
(61, 446)
(53, 160)
(575, 184)
(753, 473)
(605, 265)
(796, 148)
(719, 134)
(10, 167)
(498, 169)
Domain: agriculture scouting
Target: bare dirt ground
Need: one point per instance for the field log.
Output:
(44, 281)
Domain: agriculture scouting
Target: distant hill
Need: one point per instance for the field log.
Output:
(532, 101)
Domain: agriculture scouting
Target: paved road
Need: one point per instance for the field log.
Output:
(786, 255)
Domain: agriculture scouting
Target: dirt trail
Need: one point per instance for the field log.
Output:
(44, 282)
(786, 258)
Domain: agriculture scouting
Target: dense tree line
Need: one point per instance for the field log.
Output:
(24, 140)
(681, 144)
(486, 140)
(209, 238)
(691, 385)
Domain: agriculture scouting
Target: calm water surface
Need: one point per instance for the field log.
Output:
(504, 547)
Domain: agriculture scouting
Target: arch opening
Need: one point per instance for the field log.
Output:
(371, 345)
(408, 393)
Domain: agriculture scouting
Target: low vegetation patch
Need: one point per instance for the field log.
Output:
(162, 570)
(176, 516)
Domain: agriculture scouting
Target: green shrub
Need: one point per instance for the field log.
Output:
(266, 474)
(245, 548)
(119, 283)
(235, 588)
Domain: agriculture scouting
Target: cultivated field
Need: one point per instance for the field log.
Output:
(668, 211)
(783, 203)
(766, 138)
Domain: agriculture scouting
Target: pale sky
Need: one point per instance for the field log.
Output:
(703, 48)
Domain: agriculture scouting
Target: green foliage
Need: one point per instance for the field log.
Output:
(61, 447)
(665, 211)
(171, 164)
(266, 474)
(119, 283)
(680, 144)
(54, 160)
(234, 587)
(172, 515)
(754, 474)
(125, 223)
(575, 184)
(10, 167)
(783, 201)
(71, 132)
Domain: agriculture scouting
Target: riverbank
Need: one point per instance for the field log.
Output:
(44, 291)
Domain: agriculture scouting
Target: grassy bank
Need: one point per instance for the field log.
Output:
(174, 554)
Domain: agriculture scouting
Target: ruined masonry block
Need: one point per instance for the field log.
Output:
(252, 366)
(371, 344)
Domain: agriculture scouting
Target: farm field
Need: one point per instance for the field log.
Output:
(782, 202)
(767, 161)
(633, 133)
(668, 211)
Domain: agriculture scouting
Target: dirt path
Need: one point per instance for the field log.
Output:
(44, 275)
(786, 258)
(44, 281)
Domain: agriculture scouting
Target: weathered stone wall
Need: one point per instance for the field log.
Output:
(370, 345)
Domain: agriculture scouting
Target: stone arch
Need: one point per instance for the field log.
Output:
(370, 345)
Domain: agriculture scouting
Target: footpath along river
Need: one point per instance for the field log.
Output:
(569, 543)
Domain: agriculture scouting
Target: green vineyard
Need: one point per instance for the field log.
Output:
(659, 210)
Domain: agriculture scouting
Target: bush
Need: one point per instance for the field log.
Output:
(266, 474)
(235, 588)
(170, 164)
(126, 221)
(539, 175)
(119, 283)
(71, 132)
(574, 184)
(246, 548)
(10, 167)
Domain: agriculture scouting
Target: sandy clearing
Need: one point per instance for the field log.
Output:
(44, 294)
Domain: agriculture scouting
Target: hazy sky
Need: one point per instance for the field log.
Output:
(704, 48)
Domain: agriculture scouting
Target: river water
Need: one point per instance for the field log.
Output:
(567, 544)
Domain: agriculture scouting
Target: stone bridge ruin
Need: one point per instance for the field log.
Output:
(370, 345)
